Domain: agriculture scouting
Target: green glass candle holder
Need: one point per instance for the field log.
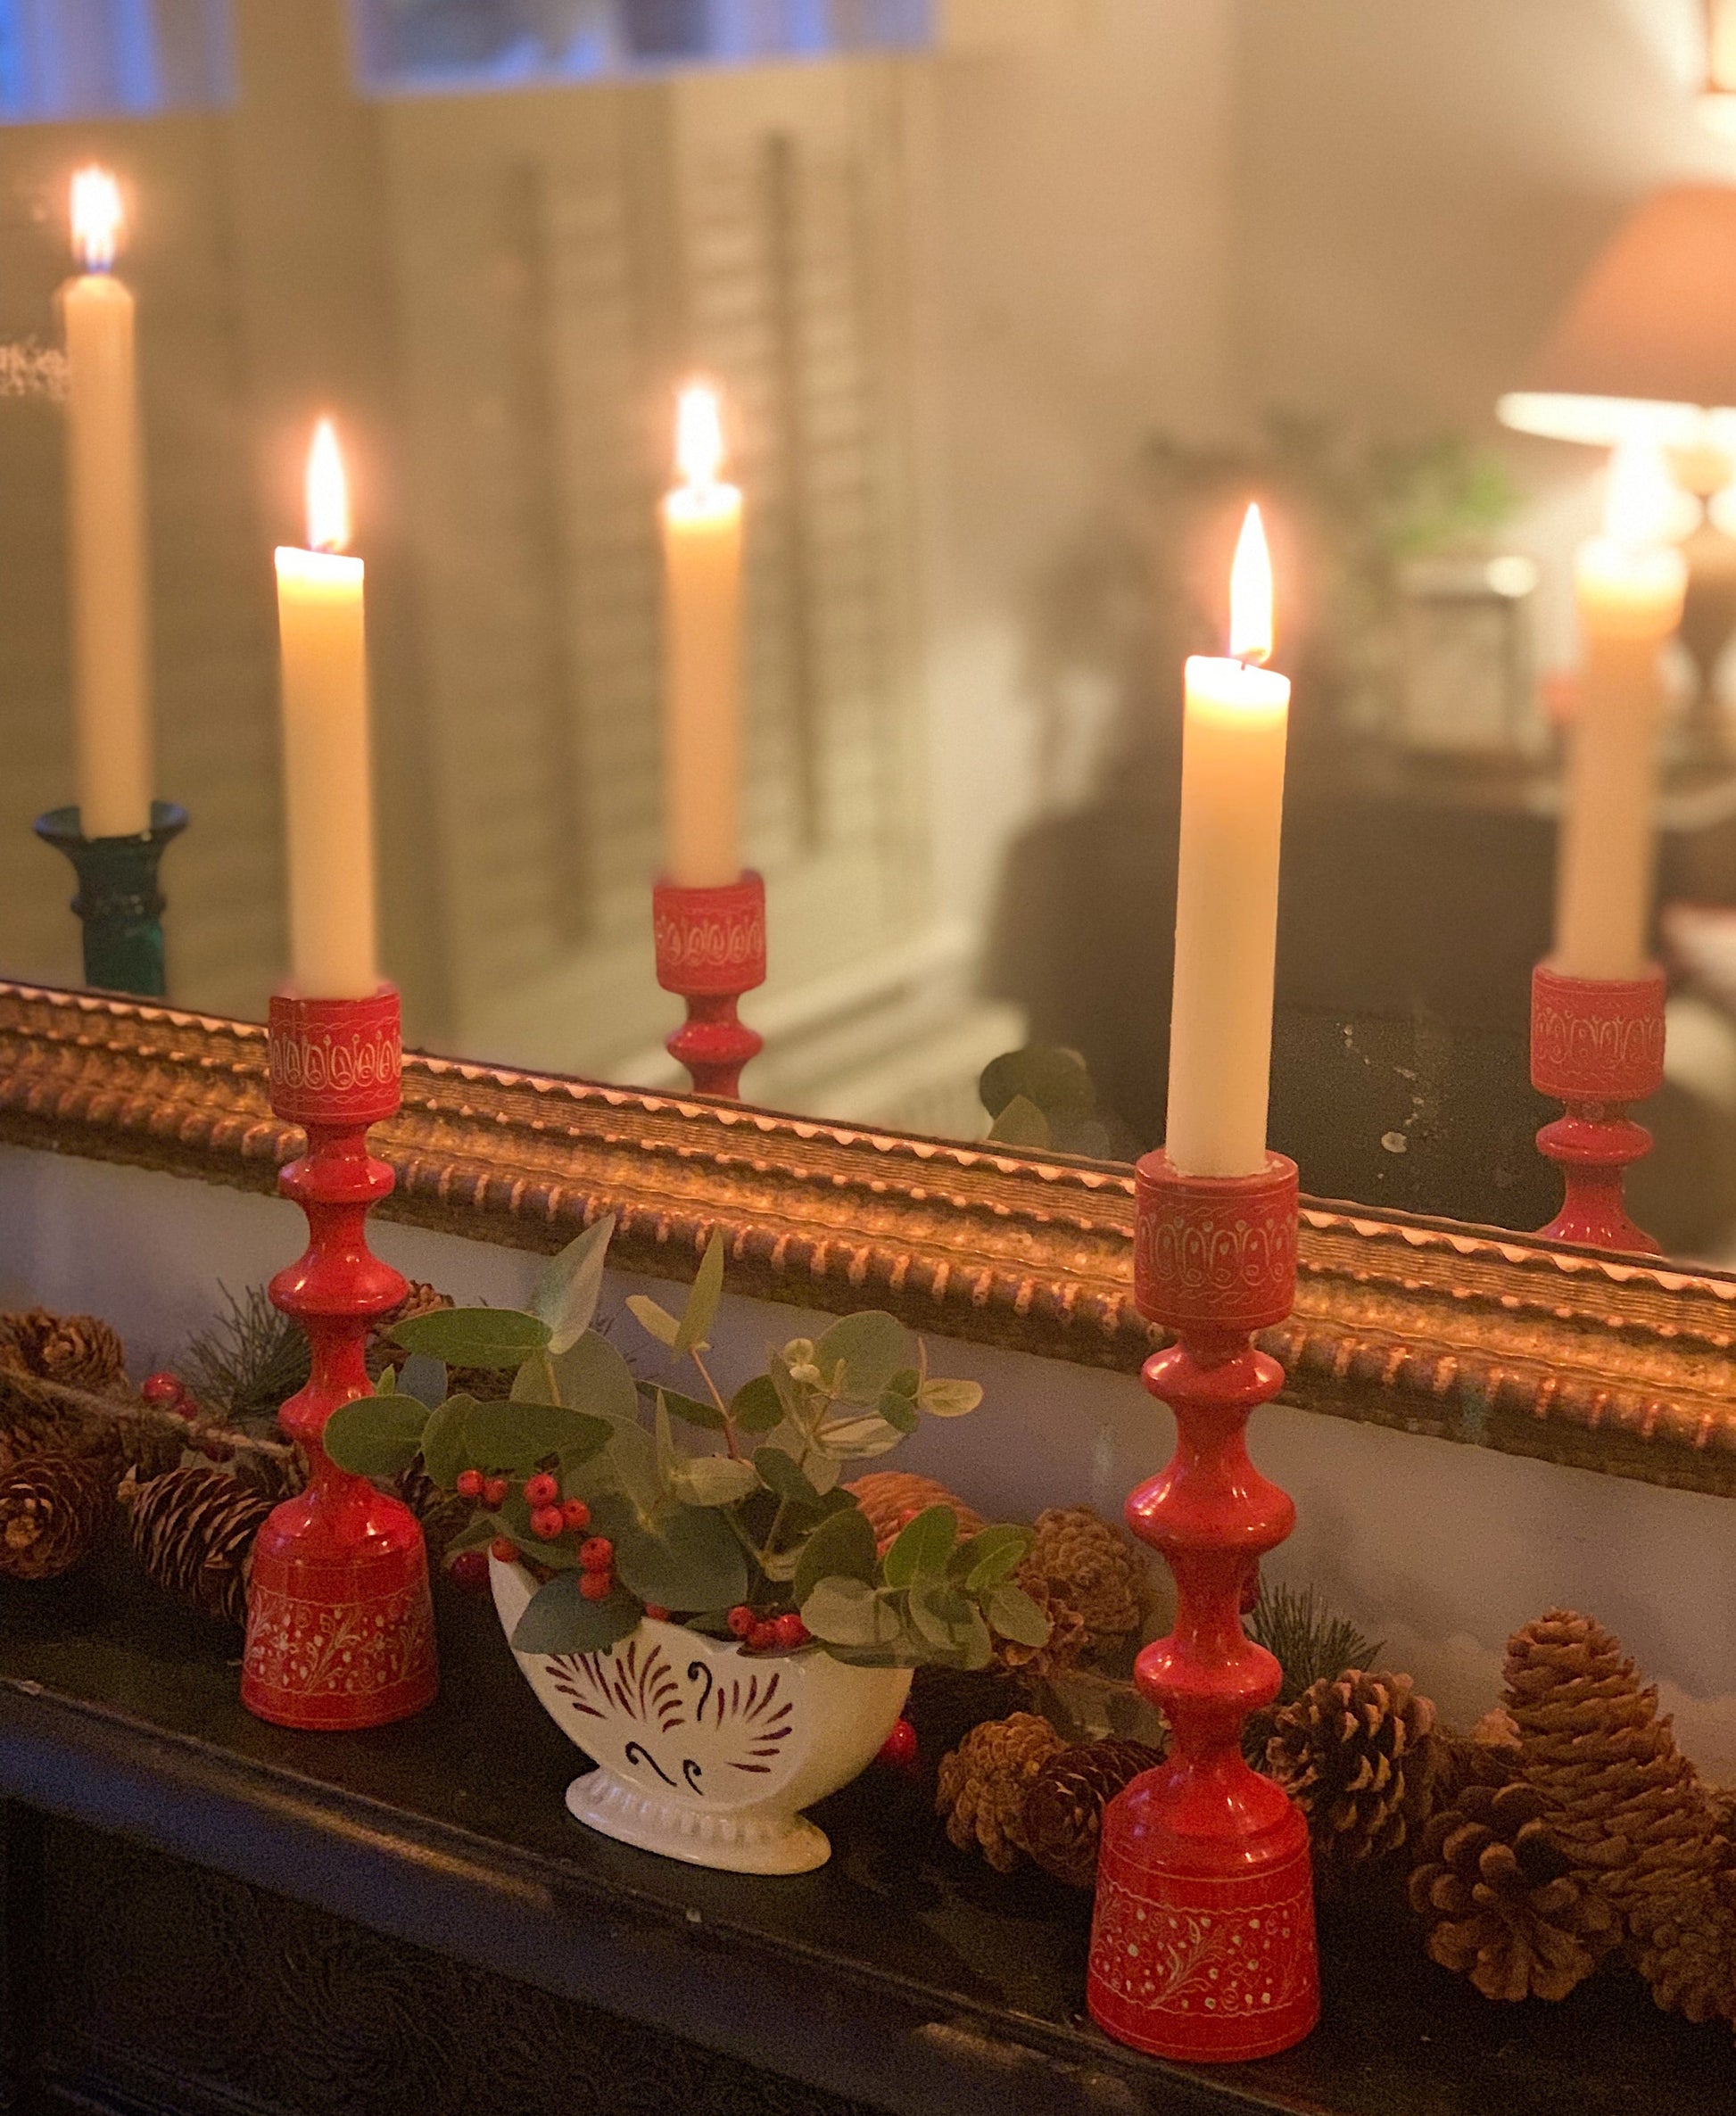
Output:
(119, 903)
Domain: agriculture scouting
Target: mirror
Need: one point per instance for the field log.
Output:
(1011, 317)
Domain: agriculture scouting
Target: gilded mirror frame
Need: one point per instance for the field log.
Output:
(1464, 1333)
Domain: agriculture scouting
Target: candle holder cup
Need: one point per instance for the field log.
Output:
(119, 904)
(340, 1623)
(1597, 1044)
(1202, 1942)
(711, 949)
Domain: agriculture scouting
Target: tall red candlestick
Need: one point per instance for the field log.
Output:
(711, 949)
(1203, 1944)
(1597, 1044)
(340, 1625)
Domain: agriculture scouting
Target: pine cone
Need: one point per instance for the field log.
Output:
(52, 1509)
(80, 1351)
(1062, 1823)
(1627, 1803)
(1091, 1566)
(31, 1423)
(1502, 1903)
(983, 1784)
(891, 1499)
(1359, 1756)
(194, 1530)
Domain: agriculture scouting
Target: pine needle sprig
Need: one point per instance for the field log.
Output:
(1310, 1642)
(248, 1363)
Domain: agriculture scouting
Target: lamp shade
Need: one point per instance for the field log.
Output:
(1648, 341)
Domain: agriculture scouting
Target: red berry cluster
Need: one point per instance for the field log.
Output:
(767, 1634)
(164, 1391)
(550, 1514)
(597, 1569)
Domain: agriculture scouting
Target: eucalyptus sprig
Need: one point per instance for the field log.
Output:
(617, 1515)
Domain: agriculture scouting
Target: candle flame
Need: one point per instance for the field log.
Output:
(329, 492)
(1640, 500)
(698, 436)
(98, 217)
(1250, 593)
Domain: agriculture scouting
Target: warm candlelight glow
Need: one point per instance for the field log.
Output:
(698, 436)
(329, 492)
(98, 217)
(1640, 501)
(1250, 593)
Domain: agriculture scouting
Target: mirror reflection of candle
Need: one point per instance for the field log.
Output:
(1232, 814)
(702, 535)
(1629, 583)
(105, 525)
(327, 779)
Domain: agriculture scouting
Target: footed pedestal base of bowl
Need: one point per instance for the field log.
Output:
(707, 1752)
(747, 1841)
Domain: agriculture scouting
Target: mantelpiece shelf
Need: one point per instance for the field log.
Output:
(900, 1977)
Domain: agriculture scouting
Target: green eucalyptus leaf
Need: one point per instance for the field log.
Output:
(592, 1375)
(941, 1614)
(559, 1619)
(703, 1300)
(922, 1548)
(445, 1443)
(950, 1398)
(977, 1649)
(841, 1547)
(991, 1555)
(898, 1411)
(649, 1315)
(566, 1294)
(536, 1381)
(1022, 1124)
(858, 1439)
(387, 1384)
(375, 1436)
(846, 1612)
(1045, 1075)
(714, 1480)
(425, 1379)
(1016, 1615)
(691, 1560)
(869, 1347)
(693, 1410)
(515, 1437)
(778, 1472)
(755, 1406)
(497, 1338)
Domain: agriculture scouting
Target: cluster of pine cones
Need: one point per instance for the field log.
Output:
(58, 1472)
(1567, 1830)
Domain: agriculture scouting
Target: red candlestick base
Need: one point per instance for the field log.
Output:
(1203, 1944)
(1597, 1044)
(340, 1625)
(711, 949)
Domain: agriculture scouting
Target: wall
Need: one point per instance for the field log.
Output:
(1439, 1550)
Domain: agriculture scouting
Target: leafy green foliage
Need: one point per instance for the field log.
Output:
(249, 1363)
(559, 1619)
(498, 1339)
(567, 1295)
(376, 1436)
(931, 1599)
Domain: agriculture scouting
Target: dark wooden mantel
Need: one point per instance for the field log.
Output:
(206, 1915)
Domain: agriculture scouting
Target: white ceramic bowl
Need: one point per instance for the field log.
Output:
(705, 1753)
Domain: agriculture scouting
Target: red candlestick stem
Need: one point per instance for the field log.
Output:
(1203, 1943)
(340, 1625)
(1597, 1044)
(711, 949)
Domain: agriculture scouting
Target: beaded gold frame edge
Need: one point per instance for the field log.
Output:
(1465, 1333)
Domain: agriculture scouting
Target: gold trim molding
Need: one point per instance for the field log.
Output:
(1428, 1325)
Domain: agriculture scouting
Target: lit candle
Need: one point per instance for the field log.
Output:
(1232, 814)
(1629, 586)
(702, 656)
(328, 782)
(107, 582)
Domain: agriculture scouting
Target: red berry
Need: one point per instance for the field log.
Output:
(763, 1637)
(598, 1555)
(596, 1586)
(900, 1748)
(545, 1523)
(542, 1490)
(469, 1570)
(576, 1514)
(791, 1631)
(162, 1388)
(495, 1491)
(470, 1484)
(741, 1620)
(504, 1549)
(656, 1611)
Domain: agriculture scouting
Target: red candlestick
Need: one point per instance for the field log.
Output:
(340, 1625)
(711, 949)
(1597, 1044)
(1203, 1943)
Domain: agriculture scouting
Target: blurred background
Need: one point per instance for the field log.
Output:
(1015, 303)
